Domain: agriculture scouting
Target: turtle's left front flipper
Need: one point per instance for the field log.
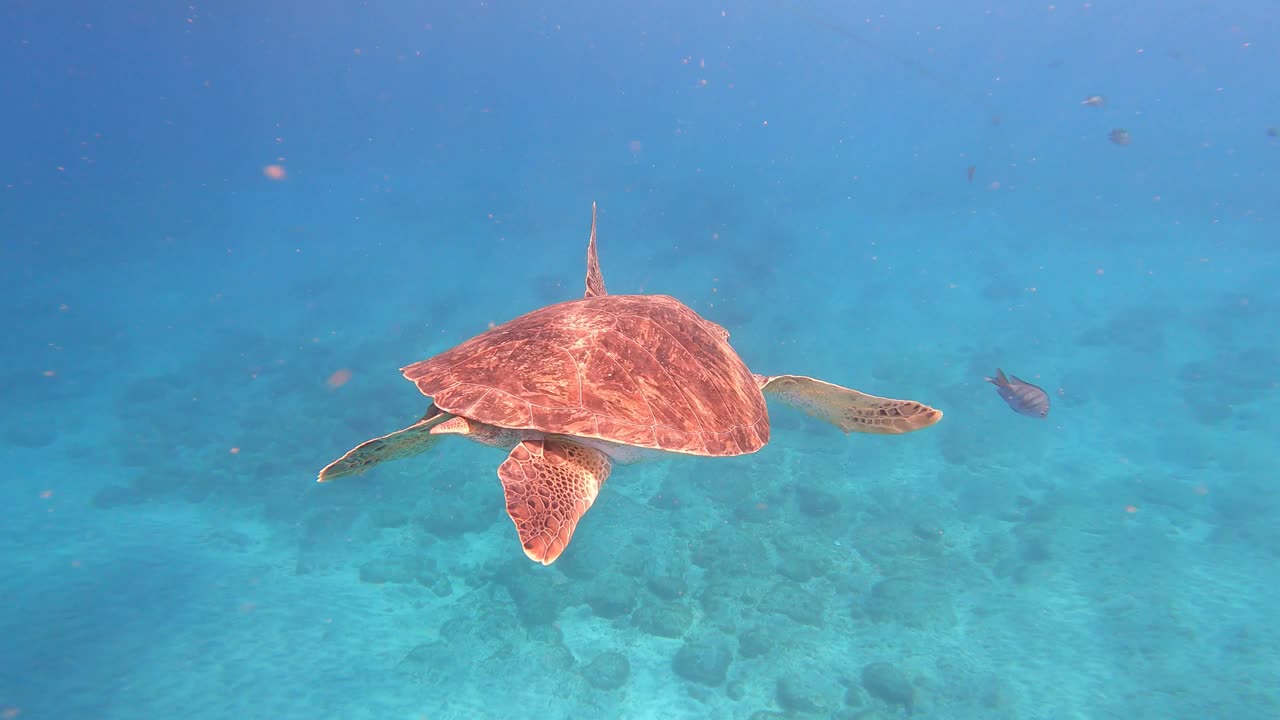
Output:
(849, 410)
(549, 485)
(406, 442)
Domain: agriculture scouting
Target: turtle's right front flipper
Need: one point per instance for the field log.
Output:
(403, 443)
(549, 484)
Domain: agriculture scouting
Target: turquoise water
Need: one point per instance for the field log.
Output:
(226, 229)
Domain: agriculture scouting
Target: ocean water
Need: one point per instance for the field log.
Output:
(225, 227)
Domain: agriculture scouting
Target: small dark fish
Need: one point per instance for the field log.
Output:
(972, 169)
(1119, 136)
(1023, 397)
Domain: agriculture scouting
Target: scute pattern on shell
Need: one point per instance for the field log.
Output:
(642, 370)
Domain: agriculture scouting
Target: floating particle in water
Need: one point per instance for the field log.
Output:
(1094, 101)
(338, 378)
(1119, 136)
(274, 172)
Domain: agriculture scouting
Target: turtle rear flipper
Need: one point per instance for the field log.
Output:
(849, 410)
(549, 485)
(595, 281)
(402, 443)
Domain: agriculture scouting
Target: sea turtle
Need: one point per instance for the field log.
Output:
(574, 387)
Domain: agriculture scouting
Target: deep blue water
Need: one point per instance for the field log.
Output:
(225, 228)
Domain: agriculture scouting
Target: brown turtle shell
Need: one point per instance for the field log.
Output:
(641, 370)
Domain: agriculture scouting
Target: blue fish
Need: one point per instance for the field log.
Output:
(1023, 397)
